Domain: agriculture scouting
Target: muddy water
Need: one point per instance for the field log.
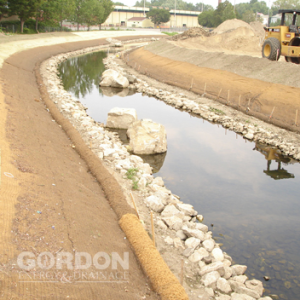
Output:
(251, 204)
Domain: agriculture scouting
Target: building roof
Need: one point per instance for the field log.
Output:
(137, 19)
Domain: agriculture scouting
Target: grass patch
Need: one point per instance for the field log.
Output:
(170, 33)
(131, 174)
(217, 111)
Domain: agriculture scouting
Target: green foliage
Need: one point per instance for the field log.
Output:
(213, 18)
(254, 6)
(131, 174)
(24, 9)
(217, 111)
(207, 18)
(159, 16)
(170, 33)
(248, 16)
(79, 74)
(119, 3)
(63, 10)
(3, 8)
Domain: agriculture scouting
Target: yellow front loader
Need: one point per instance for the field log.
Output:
(284, 39)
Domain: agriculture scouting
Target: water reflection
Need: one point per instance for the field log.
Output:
(82, 73)
(270, 154)
(111, 92)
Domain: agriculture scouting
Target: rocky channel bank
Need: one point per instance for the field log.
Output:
(207, 271)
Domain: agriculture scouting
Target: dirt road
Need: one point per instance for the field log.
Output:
(49, 200)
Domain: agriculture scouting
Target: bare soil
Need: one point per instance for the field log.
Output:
(49, 199)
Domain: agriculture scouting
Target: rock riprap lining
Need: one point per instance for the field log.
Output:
(219, 279)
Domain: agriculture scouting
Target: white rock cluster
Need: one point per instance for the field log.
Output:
(219, 279)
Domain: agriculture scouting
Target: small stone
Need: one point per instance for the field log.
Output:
(217, 253)
(187, 252)
(192, 242)
(255, 285)
(235, 296)
(178, 243)
(187, 209)
(223, 286)
(200, 218)
(195, 257)
(211, 267)
(228, 272)
(155, 203)
(238, 270)
(210, 278)
(209, 245)
(240, 278)
(181, 235)
(209, 291)
(169, 240)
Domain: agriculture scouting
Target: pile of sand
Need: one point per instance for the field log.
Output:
(190, 33)
(230, 25)
(258, 28)
(232, 36)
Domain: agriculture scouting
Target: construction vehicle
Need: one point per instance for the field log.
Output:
(283, 39)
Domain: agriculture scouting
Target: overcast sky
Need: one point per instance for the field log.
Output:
(213, 3)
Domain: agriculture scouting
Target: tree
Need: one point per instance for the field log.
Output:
(248, 16)
(107, 8)
(286, 4)
(158, 16)
(206, 18)
(63, 9)
(24, 9)
(119, 3)
(3, 8)
(203, 7)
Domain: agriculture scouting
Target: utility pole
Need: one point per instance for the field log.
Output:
(175, 14)
(144, 8)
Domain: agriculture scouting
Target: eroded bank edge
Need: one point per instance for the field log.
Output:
(107, 147)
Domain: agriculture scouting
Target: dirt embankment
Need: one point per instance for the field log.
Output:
(256, 86)
(49, 199)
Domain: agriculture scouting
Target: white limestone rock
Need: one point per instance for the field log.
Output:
(187, 209)
(235, 296)
(113, 78)
(169, 240)
(255, 285)
(121, 118)
(192, 242)
(209, 244)
(217, 253)
(215, 266)
(238, 270)
(210, 278)
(193, 232)
(178, 243)
(155, 203)
(147, 137)
(223, 286)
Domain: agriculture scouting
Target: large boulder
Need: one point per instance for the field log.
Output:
(121, 118)
(147, 137)
(113, 78)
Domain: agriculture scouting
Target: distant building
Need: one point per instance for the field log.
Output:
(140, 22)
(265, 18)
(122, 17)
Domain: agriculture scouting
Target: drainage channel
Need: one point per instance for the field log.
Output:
(247, 192)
